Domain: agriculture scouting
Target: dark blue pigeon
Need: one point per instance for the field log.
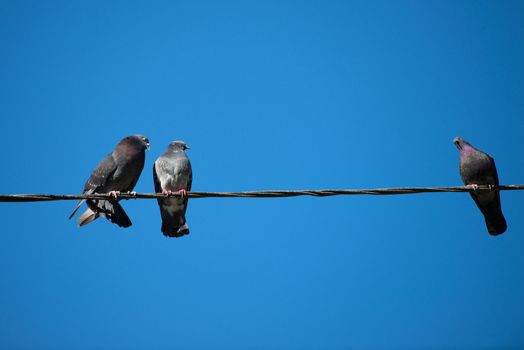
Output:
(478, 168)
(117, 172)
(172, 174)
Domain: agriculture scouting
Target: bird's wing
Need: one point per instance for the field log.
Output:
(158, 185)
(102, 173)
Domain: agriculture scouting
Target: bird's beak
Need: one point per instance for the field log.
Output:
(187, 147)
(456, 141)
(147, 146)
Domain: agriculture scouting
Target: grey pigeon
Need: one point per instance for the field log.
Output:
(172, 173)
(117, 172)
(478, 168)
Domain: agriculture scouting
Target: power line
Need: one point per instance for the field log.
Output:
(260, 194)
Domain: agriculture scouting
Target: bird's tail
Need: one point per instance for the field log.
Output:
(174, 225)
(489, 205)
(495, 222)
(112, 210)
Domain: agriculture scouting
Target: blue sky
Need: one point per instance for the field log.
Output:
(269, 95)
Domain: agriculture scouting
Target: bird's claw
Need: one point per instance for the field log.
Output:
(114, 194)
(131, 193)
(473, 186)
(182, 193)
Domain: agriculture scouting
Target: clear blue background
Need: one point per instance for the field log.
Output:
(269, 95)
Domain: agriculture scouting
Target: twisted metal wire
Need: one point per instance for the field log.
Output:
(260, 194)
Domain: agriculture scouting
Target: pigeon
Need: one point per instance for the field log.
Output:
(478, 168)
(172, 173)
(117, 172)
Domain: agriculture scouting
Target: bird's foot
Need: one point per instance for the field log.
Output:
(491, 187)
(182, 193)
(473, 186)
(131, 193)
(167, 193)
(114, 193)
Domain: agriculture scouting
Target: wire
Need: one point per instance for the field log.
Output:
(259, 194)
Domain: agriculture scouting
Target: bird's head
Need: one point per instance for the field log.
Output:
(178, 146)
(144, 140)
(139, 140)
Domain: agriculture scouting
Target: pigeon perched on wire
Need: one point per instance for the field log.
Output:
(172, 174)
(117, 172)
(478, 168)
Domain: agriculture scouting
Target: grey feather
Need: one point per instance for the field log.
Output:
(78, 205)
(86, 217)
